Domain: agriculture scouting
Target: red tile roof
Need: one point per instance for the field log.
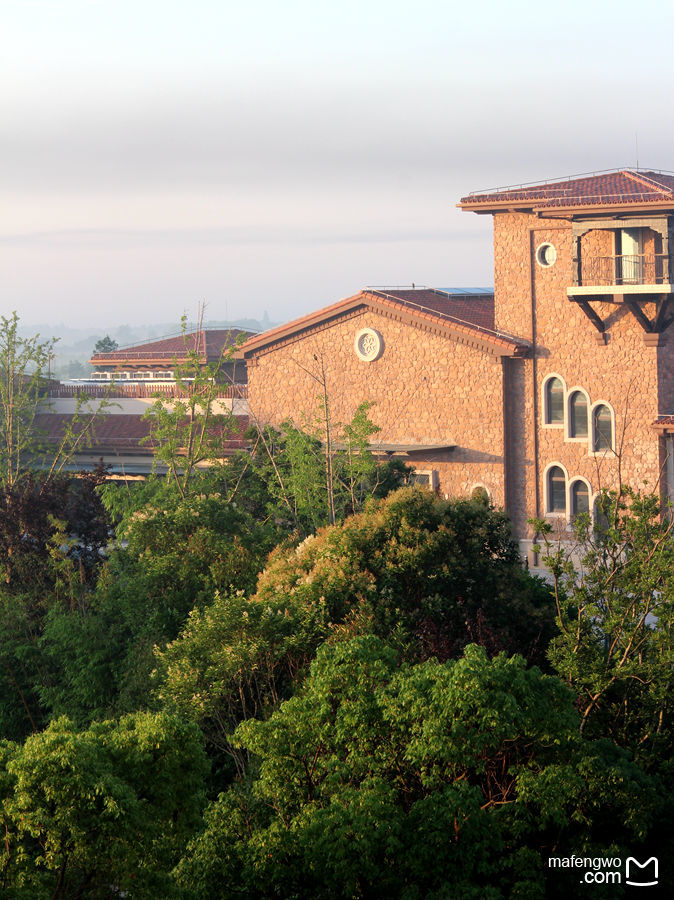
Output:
(663, 421)
(123, 430)
(209, 343)
(472, 309)
(620, 187)
(464, 316)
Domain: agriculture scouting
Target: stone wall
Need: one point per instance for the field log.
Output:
(427, 389)
(531, 301)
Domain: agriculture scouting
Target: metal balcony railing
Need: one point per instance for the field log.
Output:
(641, 268)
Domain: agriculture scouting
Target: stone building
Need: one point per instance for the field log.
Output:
(558, 384)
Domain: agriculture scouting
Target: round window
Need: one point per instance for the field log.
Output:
(546, 255)
(368, 344)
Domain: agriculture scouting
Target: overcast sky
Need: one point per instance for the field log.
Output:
(280, 155)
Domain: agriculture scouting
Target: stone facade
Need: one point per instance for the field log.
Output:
(425, 390)
(531, 301)
(606, 342)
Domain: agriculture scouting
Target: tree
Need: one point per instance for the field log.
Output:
(76, 369)
(615, 613)
(615, 645)
(106, 345)
(440, 574)
(51, 537)
(317, 476)
(408, 781)
(25, 365)
(103, 811)
(189, 431)
(430, 575)
(236, 659)
(178, 554)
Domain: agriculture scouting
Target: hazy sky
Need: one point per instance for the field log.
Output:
(280, 155)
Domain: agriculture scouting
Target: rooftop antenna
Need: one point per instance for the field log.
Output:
(636, 145)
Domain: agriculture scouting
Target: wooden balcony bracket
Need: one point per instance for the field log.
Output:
(664, 311)
(592, 315)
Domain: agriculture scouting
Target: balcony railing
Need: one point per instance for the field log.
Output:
(641, 268)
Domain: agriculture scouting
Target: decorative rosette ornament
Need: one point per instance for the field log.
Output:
(368, 344)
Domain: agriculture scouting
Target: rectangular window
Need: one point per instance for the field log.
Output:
(424, 478)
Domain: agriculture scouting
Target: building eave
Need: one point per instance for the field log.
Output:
(492, 342)
(556, 211)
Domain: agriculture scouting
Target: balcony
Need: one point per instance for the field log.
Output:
(640, 281)
(627, 271)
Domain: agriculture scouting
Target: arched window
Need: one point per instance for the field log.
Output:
(602, 506)
(580, 498)
(481, 494)
(578, 415)
(554, 402)
(556, 490)
(602, 428)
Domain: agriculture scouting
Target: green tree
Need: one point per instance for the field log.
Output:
(189, 431)
(431, 780)
(178, 553)
(615, 610)
(106, 345)
(615, 645)
(430, 575)
(103, 811)
(313, 475)
(440, 574)
(237, 659)
(51, 535)
(24, 364)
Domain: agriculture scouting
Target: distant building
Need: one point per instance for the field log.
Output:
(126, 381)
(553, 387)
(156, 360)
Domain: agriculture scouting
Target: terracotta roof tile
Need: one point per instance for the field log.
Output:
(122, 430)
(209, 342)
(473, 309)
(610, 188)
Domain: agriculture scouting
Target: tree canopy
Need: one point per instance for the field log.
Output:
(427, 780)
(106, 345)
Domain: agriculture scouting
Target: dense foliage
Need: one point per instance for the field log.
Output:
(438, 574)
(207, 691)
(430, 575)
(83, 811)
(428, 780)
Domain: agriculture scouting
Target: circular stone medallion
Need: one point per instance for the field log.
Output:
(546, 255)
(368, 344)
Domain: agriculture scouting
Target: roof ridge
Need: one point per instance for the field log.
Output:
(636, 175)
(365, 297)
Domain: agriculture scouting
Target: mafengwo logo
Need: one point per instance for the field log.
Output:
(641, 874)
(609, 869)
